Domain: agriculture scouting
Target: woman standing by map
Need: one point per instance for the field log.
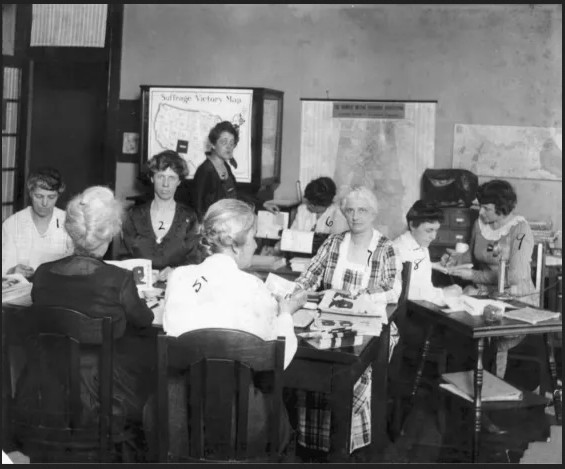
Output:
(214, 179)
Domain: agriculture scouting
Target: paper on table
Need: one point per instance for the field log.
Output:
(279, 286)
(531, 315)
(142, 271)
(473, 306)
(269, 225)
(304, 317)
(446, 270)
(297, 241)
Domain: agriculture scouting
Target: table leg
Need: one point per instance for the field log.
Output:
(552, 367)
(421, 364)
(379, 394)
(478, 386)
(341, 405)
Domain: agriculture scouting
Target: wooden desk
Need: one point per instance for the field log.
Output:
(474, 327)
(334, 372)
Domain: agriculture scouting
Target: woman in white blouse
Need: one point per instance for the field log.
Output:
(36, 234)
(217, 293)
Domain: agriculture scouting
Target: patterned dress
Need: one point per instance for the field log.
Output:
(380, 278)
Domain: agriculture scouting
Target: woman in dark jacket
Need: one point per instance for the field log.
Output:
(84, 282)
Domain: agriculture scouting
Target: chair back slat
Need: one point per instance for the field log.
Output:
(539, 272)
(56, 339)
(406, 276)
(219, 366)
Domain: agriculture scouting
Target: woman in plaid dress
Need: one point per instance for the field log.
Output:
(362, 262)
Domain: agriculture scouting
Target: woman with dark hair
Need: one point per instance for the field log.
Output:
(163, 230)
(37, 233)
(498, 233)
(319, 212)
(214, 179)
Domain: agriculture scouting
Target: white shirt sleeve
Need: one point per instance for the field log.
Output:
(8, 244)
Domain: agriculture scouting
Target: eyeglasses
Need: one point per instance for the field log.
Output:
(225, 142)
(362, 211)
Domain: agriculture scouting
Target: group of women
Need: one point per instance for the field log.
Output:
(203, 251)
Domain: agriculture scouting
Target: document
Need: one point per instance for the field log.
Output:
(494, 388)
(15, 286)
(270, 225)
(142, 271)
(297, 241)
(338, 302)
(447, 270)
(279, 286)
(473, 306)
(304, 317)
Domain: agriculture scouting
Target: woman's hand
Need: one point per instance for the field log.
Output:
(450, 258)
(452, 291)
(270, 206)
(163, 275)
(293, 302)
(22, 269)
(462, 273)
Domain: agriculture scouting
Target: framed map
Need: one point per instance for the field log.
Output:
(180, 118)
(509, 151)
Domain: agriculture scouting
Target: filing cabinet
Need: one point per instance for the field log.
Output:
(456, 228)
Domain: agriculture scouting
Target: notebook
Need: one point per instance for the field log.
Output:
(531, 315)
(494, 388)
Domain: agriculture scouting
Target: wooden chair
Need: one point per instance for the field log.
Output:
(54, 339)
(217, 367)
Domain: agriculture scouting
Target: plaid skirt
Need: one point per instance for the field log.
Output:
(314, 415)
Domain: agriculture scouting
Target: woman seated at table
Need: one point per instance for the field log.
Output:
(217, 293)
(37, 233)
(424, 220)
(365, 264)
(498, 232)
(163, 230)
(84, 282)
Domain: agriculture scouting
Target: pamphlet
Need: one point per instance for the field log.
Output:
(270, 225)
(338, 302)
(279, 286)
(473, 306)
(15, 286)
(297, 241)
(142, 271)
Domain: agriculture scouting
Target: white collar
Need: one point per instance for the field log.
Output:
(494, 235)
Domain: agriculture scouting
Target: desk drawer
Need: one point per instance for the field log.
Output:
(446, 236)
(459, 218)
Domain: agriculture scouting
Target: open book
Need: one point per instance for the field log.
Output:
(494, 388)
(14, 286)
(337, 302)
(141, 268)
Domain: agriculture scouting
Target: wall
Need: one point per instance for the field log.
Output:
(484, 64)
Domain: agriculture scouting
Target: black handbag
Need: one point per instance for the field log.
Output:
(449, 187)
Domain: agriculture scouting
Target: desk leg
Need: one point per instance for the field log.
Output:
(379, 394)
(341, 405)
(421, 364)
(550, 354)
(478, 404)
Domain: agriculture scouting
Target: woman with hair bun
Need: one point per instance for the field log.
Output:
(218, 294)
(84, 282)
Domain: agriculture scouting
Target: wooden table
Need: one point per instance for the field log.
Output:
(477, 329)
(335, 372)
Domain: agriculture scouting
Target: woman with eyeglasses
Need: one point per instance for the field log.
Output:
(365, 264)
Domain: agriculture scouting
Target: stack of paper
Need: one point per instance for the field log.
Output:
(299, 264)
(15, 286)
(473, 306)
(297, 241)
(461, 383)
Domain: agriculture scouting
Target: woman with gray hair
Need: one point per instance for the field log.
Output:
(364, 264)
(218, 294)
(84, 282)
(36, 234)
